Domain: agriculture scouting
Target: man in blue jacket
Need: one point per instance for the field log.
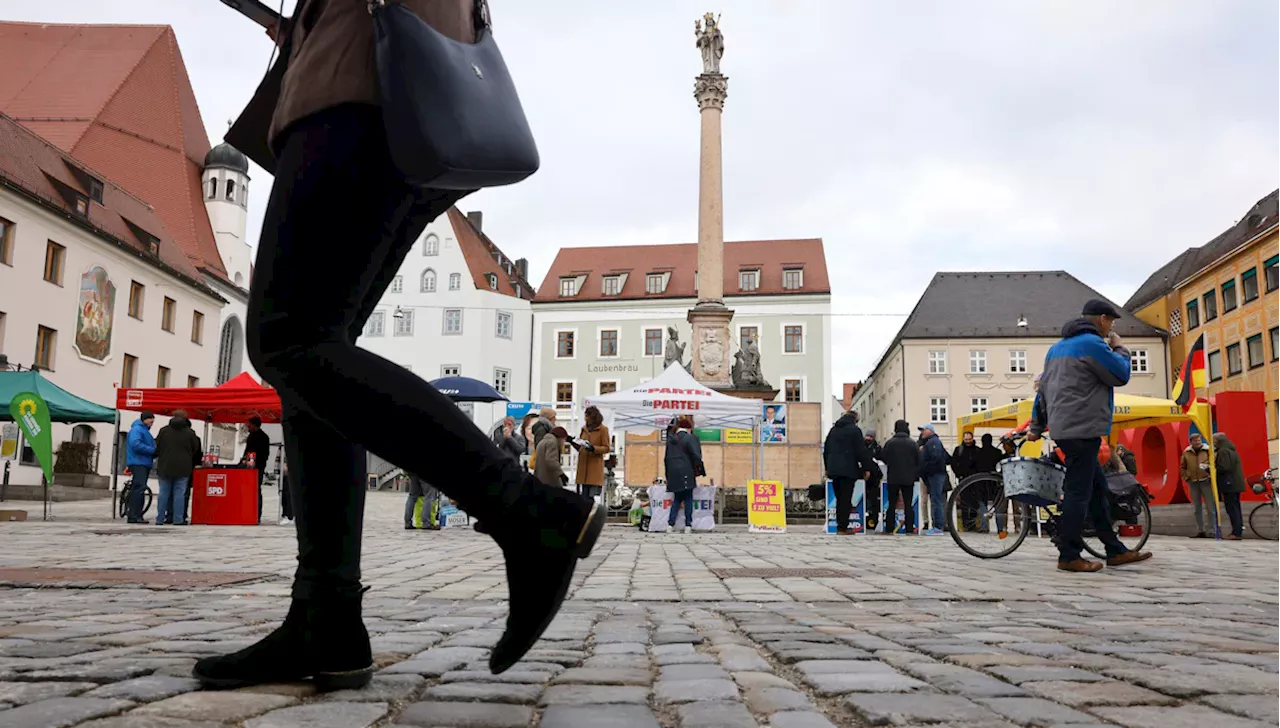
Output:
(140, 455)
(933, 469)
(1075, 402)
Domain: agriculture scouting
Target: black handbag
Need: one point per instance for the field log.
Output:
(451, 111)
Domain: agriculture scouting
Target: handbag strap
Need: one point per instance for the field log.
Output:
(480, 17)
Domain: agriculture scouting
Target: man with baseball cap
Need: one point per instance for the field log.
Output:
(1075, 403)
(933, 469)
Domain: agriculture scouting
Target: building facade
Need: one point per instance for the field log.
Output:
(225, 184)
(977, 340)
(1225, 290)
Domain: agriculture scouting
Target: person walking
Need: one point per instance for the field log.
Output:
(140, 456)
(286, 504)
(321, 128)
(257, 452)
(1075, 401)
(509, 440)
(548, 452)
(591, 455)
(413, 504)
(902, 466)
(989, 456)
(875, 476)
(1194, 469)
(1231, 483)
(933, 470)
(683, 464)
(847, 460)
(178, 452)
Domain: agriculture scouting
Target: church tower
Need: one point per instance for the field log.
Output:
(225, 182)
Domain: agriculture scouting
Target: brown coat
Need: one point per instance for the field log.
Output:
(1191, 462)
(547, 469)
(591, 464)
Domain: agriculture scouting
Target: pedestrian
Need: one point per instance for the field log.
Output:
(1075, 401)
(413, 504)
(1231, 483)
(509, 440)
(286, 501)
(902, 466)
(549, 448)
(591, 454)
(683, 464)
(847, 460)
(871, 497)
(1127, 459)
(178, 452)
(257, 445)
(140, 456)
(989, 456)
(319, 126)
(1195, 473)
(545, 423)
(933, 470)
(966, 458)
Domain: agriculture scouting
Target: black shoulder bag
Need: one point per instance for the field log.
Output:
(451, 111)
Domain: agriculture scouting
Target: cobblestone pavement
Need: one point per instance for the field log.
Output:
(915, 632)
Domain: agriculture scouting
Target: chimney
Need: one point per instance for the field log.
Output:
(522, 268)
(476, 218)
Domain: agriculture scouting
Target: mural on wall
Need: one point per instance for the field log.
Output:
(96, 315)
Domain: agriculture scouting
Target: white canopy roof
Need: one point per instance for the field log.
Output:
(650, 405)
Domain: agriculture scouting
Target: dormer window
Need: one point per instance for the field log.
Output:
(792, 279)
(95, 190)
(82, 205)
(749, 280)
(655, 283)
(568, 287)
(493, 281)
(612, 285)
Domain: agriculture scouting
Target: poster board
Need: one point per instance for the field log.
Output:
(704, 516)
(773, 424)
(452, 516)
(857, 515)
(766, 507)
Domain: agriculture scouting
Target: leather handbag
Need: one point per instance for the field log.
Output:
(452, 115)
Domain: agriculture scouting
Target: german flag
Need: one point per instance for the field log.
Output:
(1192, 377)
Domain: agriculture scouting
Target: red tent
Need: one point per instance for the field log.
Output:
(234, 401)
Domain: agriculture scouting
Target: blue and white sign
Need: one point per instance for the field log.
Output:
(857, 515)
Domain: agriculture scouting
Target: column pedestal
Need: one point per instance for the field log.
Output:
(711, 344)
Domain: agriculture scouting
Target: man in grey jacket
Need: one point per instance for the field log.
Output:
(1075, 402)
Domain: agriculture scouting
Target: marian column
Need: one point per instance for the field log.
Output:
(710, 318)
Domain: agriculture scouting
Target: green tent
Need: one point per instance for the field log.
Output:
(63, 406)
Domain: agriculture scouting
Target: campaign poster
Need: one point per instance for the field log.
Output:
(773, 426)
(704, 516)
(766, 507)
(857, 515)
(452, 516)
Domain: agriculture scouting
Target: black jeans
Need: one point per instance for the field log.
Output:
(871, 505)
(286, 504)
(1085, 491)
(339, 223)
(677, 498)
(908, 513)
(137, 487)
(844, 501)
(1231, 502)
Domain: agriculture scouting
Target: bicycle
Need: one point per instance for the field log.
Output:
(979, 501)
(1262, 519)
(122, 500)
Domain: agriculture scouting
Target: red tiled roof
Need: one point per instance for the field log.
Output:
(770, 257)
(117, 98)
(31, 164)
(478, 251)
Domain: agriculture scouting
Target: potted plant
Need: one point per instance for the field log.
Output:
(73, 466)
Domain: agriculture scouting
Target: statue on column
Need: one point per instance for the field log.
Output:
(746, 367)
(710, 42)
(675, 351)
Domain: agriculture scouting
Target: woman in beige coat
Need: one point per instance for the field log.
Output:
(547, 469)
(339, 223)
(590, 476)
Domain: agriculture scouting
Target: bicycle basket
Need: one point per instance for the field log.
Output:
(1032, 481)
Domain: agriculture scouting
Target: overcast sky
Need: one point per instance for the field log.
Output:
(1097, 137)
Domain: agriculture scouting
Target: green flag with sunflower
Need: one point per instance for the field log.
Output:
(31, 413)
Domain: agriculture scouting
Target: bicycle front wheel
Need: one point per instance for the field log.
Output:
(1133, 531)
(983, 521)
(1262, 521)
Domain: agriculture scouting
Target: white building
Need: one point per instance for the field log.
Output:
(602, 315)
(458, 307)
(977, 340)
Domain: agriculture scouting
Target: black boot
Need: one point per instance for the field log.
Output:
(321, 639)
(542, 537)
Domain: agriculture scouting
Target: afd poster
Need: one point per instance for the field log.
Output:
(773, 426)
(766, 507)
(857, 515)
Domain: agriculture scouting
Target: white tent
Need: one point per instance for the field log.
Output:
(650, 405)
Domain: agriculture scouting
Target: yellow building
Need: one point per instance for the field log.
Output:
(1226, 290)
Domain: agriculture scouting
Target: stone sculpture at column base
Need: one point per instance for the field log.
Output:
(711, 359)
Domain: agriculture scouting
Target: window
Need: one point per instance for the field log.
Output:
(193, 382)
(1249, 284)
(54, 255)
(1015, 400)
(568, 287)
(564, 393)
(1270, 269)
(451, 370)
(977, 404)
(609, 343)
(82, 205)
(404, 322)
(1018, 361)
(1210, 306)
(564, 345)
(95, 190)
(792, 279)
(231, 190)
(168, 314)
(977, 362)
(197, 328)
(428, 281)
(937, 409)
(748, 280)
(1138, 362)
(612, 285)
(6, 242)
(376, 325)
(137, 293)
(653, 283)
(129, 371)
(793, 339)
(162, 377)
(1275, 343)
(1235, 364)
(431, 245)
(792, 391)
(504, 325)
(937, 362)
(1215, 366)
(1193, 315)
(397, 284)
(452, 321)
(608, 386)
(493, 281)
(1229, 302)
(502, 381)
(653, 342)
(455, 281)
(1257, 357)
(46, 339)
(748, 333)
(213, 188)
